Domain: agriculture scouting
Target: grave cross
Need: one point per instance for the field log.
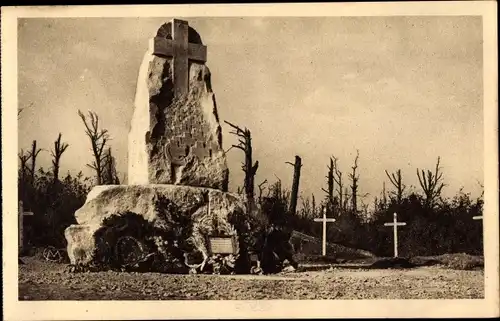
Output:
(22, 214)
(324, 220)
(395, 225)
(181, 51)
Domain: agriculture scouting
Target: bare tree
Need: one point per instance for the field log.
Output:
(482, 188)
(110, 175)
(24, 159)
(376, 203)
(21, 109)
(354, 183)
(276, 190)
(340, 184)
(98, 139)
(313, 205)
(364, 209)
(306, 207)
(249, 168)
(396, 181)
(261, 189)
(33, 155)
(330, 181)
(59, 149)
(384, 195)
(381, 202)
(431, 183)
(295, 186)
(346, 199)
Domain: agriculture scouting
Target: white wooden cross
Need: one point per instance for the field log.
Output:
(324, 220)
(22, 214)
(479, 217)
(395, 225)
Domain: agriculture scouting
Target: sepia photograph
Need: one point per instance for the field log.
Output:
(218, 158)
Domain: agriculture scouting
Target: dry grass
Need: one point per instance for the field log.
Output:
(458, 261)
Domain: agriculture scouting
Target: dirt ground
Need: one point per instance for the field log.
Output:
(41, 280)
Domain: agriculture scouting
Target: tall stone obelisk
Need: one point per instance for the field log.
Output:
(175, 135)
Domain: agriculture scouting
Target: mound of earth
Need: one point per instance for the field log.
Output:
(392, 263)
(456, 261)
(309, 247)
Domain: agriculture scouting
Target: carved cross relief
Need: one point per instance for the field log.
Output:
(181, 50)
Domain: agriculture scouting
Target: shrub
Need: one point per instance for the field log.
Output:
(461, 261)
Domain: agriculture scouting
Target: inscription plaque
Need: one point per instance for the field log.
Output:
(222, 244)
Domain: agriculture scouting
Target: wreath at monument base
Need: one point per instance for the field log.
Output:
(222, 264)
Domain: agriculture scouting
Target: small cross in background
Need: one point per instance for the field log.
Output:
(22, 214)
(395, 225)
(324, 220)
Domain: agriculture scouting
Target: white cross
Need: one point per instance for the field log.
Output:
(324, 219)
(22, 214)
(395, 225)
(479, 217)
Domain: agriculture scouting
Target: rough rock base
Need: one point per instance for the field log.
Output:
(164, 226)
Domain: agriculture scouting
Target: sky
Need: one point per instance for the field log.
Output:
(401, 90)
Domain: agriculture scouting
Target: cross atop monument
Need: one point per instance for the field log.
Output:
(181, 50)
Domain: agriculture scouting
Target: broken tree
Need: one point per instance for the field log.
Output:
(330, 186)
(59, 149)
(295, 185)
(431, 184)
(249, 168)
(396, 181)
(98, 138)
(354, 176)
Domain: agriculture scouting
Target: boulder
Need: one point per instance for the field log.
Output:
(166, 221)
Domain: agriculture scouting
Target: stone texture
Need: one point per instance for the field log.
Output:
(175, 139)
(187, 213)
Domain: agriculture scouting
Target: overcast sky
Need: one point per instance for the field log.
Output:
(402, 90)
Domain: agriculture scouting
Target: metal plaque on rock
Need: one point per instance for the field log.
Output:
(222, 245)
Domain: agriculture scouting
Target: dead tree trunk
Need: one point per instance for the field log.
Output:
(295, 186)
(346, 199)
(110, 175)
(23, 158)
(354, 184)
(98, 138)
(337, 178)
(396, 181)
(249, 168)
(59, 149)
(431, 184)
(313, 205)
(384, 195)
(261, 189)
(330, 181)
(33, 154)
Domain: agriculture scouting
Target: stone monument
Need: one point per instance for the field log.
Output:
(176, 199)
(175, 135)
